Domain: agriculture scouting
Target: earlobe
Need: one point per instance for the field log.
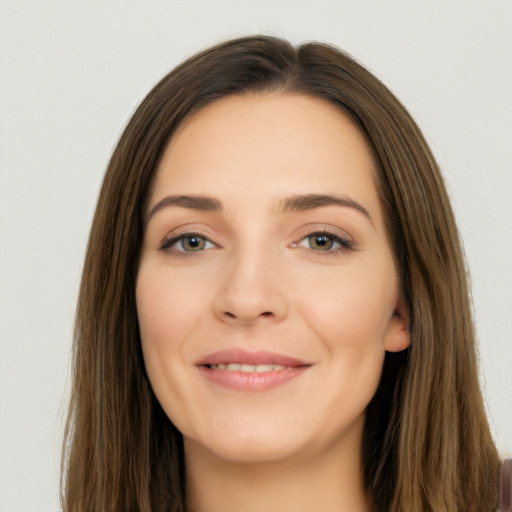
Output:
(397, 336)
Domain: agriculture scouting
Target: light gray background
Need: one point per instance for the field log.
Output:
(71, 73)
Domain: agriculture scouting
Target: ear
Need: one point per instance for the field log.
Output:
(397, 335)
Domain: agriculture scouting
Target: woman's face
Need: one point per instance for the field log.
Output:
(267, 293)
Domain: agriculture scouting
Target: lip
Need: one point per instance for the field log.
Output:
(251, 381)
(236, 355)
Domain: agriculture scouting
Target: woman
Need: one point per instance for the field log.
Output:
(274, 309)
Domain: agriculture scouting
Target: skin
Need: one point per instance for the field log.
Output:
(259, 282)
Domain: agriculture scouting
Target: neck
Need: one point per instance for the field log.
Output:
(322, 483)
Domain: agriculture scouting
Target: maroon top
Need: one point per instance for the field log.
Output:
(506, 486)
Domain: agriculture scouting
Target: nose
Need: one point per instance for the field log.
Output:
(251, 290)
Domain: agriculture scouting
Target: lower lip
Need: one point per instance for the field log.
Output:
(253, 381)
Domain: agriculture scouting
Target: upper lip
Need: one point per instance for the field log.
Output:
(236, 355)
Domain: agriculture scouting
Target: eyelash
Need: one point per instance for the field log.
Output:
(169, 242)
(345, 245)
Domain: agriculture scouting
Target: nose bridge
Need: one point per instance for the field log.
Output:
(251, 288)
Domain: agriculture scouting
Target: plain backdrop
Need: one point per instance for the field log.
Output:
(73, 71)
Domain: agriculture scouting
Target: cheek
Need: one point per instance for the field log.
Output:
(169, 315)
(168, 308)
(168, 312)
(348, 316)
(350, 307)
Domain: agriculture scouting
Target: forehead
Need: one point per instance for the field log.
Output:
(267, 146)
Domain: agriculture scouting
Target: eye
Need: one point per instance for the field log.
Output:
(187, 242)
(323, 241)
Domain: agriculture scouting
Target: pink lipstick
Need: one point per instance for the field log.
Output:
(250, 371)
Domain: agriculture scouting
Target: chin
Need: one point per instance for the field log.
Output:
(247, 445)
(271, 443)
(250, 450)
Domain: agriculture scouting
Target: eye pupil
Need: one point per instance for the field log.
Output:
(320, 241)
(193, 243)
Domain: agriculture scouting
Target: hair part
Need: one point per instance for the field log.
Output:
(426, 444)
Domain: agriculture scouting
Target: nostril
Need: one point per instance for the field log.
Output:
(265, 314)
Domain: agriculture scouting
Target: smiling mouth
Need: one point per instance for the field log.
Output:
(241, 370)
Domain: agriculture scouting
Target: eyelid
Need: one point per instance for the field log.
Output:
(171, 239)
(343, 239)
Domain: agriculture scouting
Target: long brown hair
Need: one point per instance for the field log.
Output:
(426, 443)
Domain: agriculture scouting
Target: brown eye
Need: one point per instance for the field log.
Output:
(321, 241)
(325, 242)
(192, 243)
(186, 243)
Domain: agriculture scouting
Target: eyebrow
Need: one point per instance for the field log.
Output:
(301, 203)
(203, 203)
(296, 203)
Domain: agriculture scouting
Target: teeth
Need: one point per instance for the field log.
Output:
(261, 368)
(248, 368)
